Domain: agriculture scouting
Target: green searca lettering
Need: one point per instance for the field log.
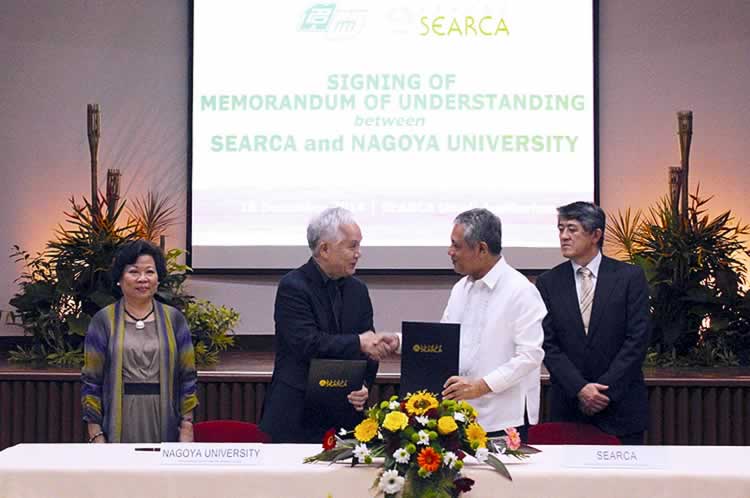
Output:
(463, 26)
(253, 143)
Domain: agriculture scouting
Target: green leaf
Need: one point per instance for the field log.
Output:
(343, 455)
(528, 450)
(79, 325)
(498, 465)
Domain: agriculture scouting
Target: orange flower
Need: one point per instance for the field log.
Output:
(429, 459)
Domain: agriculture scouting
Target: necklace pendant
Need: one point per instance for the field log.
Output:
(139, 322)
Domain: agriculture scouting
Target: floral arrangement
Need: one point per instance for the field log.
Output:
(423, 442)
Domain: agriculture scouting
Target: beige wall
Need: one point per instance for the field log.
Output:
(656, 57)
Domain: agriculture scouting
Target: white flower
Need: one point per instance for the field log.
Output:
(394, 405)
(424, 438)
(460, 417)
(390, 482)
(401, 455)
(343, 432)
(422, 419)
(449, 459)
(481, 455)
(360, 452)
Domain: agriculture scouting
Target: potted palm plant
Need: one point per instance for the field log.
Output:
(64, 285)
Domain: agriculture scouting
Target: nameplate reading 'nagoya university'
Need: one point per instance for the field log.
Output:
(211, 454)
(615, 457)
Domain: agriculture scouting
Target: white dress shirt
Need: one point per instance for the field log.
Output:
(501, 341)
(593, 267)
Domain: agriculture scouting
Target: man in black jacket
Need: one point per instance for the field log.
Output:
(596, 331)
(321, 311)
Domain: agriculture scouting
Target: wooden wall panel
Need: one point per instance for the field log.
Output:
(48, 410)
(6, 419)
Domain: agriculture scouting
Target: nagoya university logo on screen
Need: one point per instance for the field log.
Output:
(335, 22)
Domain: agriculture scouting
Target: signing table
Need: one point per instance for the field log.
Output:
(119, 471)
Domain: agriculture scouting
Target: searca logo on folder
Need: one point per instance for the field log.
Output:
(333, 383)
(427, 348)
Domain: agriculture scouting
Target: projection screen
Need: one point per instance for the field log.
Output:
(404, 112)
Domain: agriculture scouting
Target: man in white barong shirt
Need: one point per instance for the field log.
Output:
(501, 314)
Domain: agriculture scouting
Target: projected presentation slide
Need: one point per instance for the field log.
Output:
(404, 112)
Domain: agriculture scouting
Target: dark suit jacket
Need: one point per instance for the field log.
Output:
(613, 351)
(305, 329)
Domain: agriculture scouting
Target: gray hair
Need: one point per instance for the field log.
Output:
(588, 214)
(326, 226)
(481, 225)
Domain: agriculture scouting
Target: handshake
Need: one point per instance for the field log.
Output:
(378, 346)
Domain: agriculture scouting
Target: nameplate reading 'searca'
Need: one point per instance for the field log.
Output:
(615, 457)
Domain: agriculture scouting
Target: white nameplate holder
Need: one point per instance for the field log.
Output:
(211, 454)
(615, 457)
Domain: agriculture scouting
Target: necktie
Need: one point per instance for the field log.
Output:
(587, 295)
(336, 302)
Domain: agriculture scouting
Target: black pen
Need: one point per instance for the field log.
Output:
(148, 449)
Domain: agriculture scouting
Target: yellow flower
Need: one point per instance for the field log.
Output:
(420, 403)
(467, 409)
(475, 434)
(366, 430)
(446, 425)
(395, 421)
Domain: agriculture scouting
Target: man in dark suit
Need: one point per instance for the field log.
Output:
(596, 331)
(321, 311)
